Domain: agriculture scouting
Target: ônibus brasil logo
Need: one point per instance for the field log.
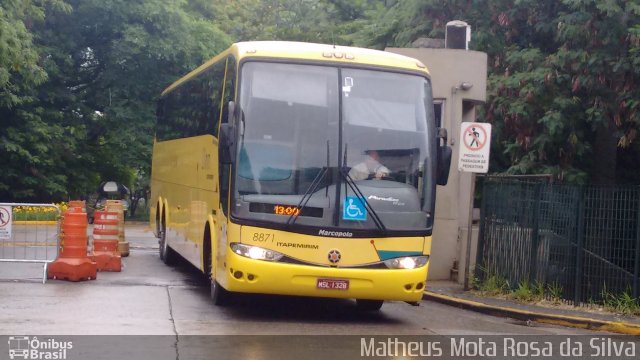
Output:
(31, 348)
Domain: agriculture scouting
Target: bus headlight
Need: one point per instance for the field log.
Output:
(256, 253)
(408, 262)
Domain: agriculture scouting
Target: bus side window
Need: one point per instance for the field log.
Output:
(214, 78)
(229, 89)
(193, 108)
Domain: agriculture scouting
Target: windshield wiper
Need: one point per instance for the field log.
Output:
(310, 190)
(354, 187)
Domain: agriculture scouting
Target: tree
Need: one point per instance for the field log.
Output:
(563, 82)
(105, 63)
(567, 96)
(25, 137)
(325, 21)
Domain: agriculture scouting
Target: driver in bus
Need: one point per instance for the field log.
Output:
(370, 168)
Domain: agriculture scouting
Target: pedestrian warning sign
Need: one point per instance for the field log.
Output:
(5, 222)
(473, 155)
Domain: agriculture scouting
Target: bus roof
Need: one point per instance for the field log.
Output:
(310, 51)
(324, 52)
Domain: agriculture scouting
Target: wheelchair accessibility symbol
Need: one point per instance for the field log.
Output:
(354, 209)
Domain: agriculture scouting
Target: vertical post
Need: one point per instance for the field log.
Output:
(577, 294)
(483, 225)
(636, 266)
(467, 261)
(535, 234)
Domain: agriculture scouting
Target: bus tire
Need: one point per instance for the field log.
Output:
(207, 255)
(369, 305)
(219, 295)
(167, 254)
(158, 229)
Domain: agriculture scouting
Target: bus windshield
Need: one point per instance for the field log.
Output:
(310, 134)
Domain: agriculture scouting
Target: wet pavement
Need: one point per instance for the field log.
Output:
(150, 298)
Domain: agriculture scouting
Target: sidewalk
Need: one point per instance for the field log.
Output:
(452, 293)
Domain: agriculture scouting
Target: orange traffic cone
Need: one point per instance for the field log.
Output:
(78, 204)
(118, 207)
(105, 241)
(72, 263)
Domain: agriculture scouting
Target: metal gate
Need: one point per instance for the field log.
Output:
(29, 233)
(584, 239)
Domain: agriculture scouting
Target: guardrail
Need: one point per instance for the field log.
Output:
(29, 236)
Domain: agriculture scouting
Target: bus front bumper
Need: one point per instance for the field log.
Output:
(246, 275)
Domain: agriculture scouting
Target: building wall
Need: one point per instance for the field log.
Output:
(449, 68)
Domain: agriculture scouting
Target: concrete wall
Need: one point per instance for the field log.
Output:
(449, 68)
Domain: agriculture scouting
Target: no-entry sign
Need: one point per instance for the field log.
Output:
(5, 222)
(475, 141)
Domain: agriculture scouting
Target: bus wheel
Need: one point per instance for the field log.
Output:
(369, 305)
(206, 254)
(167, 255)
(219, 295)
(158, 228)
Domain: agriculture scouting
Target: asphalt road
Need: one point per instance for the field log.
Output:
(149, 298)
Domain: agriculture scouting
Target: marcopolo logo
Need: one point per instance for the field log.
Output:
(323, 232)
(32, 348)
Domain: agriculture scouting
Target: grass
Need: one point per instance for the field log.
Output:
(555, 292)
(496, 285)
(526, 292)
(492, 284)
(622, 303)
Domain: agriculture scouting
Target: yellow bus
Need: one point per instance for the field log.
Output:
(300, 169)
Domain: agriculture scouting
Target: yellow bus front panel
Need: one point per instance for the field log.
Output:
(257, 276)
(359, 271)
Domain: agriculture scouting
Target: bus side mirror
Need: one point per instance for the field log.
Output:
(227, 137)
(227, 143)
(444, 158)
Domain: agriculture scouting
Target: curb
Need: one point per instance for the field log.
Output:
(546, 318)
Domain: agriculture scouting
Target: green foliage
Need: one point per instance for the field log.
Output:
(327, 21)
(527, 292)
(494, 284)
(79, 78)
(555, 102)
(28, 139)
(554, 291)
(523, 292)
(81, 107)
(491, 284)
(19, 67)
(563, 83)
(623, 303)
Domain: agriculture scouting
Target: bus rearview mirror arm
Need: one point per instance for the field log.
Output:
(227, 140)
(444, 158)
(231, 111)
(227, 135)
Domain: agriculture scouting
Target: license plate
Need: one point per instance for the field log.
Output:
(333, 284)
